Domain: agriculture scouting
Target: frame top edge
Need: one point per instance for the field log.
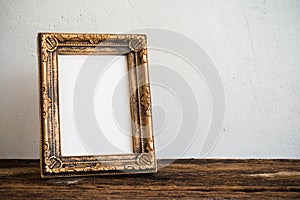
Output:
(71, 33)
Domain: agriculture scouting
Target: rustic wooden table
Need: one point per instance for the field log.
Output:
(188, 179)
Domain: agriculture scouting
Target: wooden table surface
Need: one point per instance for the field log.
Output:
(188, 179)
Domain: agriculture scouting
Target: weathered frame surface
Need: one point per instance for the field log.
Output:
(53, 164)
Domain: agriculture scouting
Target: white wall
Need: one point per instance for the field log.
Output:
(254, 45)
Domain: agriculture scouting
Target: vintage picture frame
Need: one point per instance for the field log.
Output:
(52, 163)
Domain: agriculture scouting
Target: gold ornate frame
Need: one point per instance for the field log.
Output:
(52, 163)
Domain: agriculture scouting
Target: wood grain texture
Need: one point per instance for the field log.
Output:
(187, 179)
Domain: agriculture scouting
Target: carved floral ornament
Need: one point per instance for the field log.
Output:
(53, 164)
(145, 100)
(46, 101)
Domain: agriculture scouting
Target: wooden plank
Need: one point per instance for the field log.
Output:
(200, 178)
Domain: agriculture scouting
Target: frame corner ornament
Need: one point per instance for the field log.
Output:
(136, 44)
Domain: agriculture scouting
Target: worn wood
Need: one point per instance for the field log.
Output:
(192, 179)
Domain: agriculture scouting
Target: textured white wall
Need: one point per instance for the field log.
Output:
(255, 46)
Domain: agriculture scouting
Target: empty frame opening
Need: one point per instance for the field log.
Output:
(94, 105)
